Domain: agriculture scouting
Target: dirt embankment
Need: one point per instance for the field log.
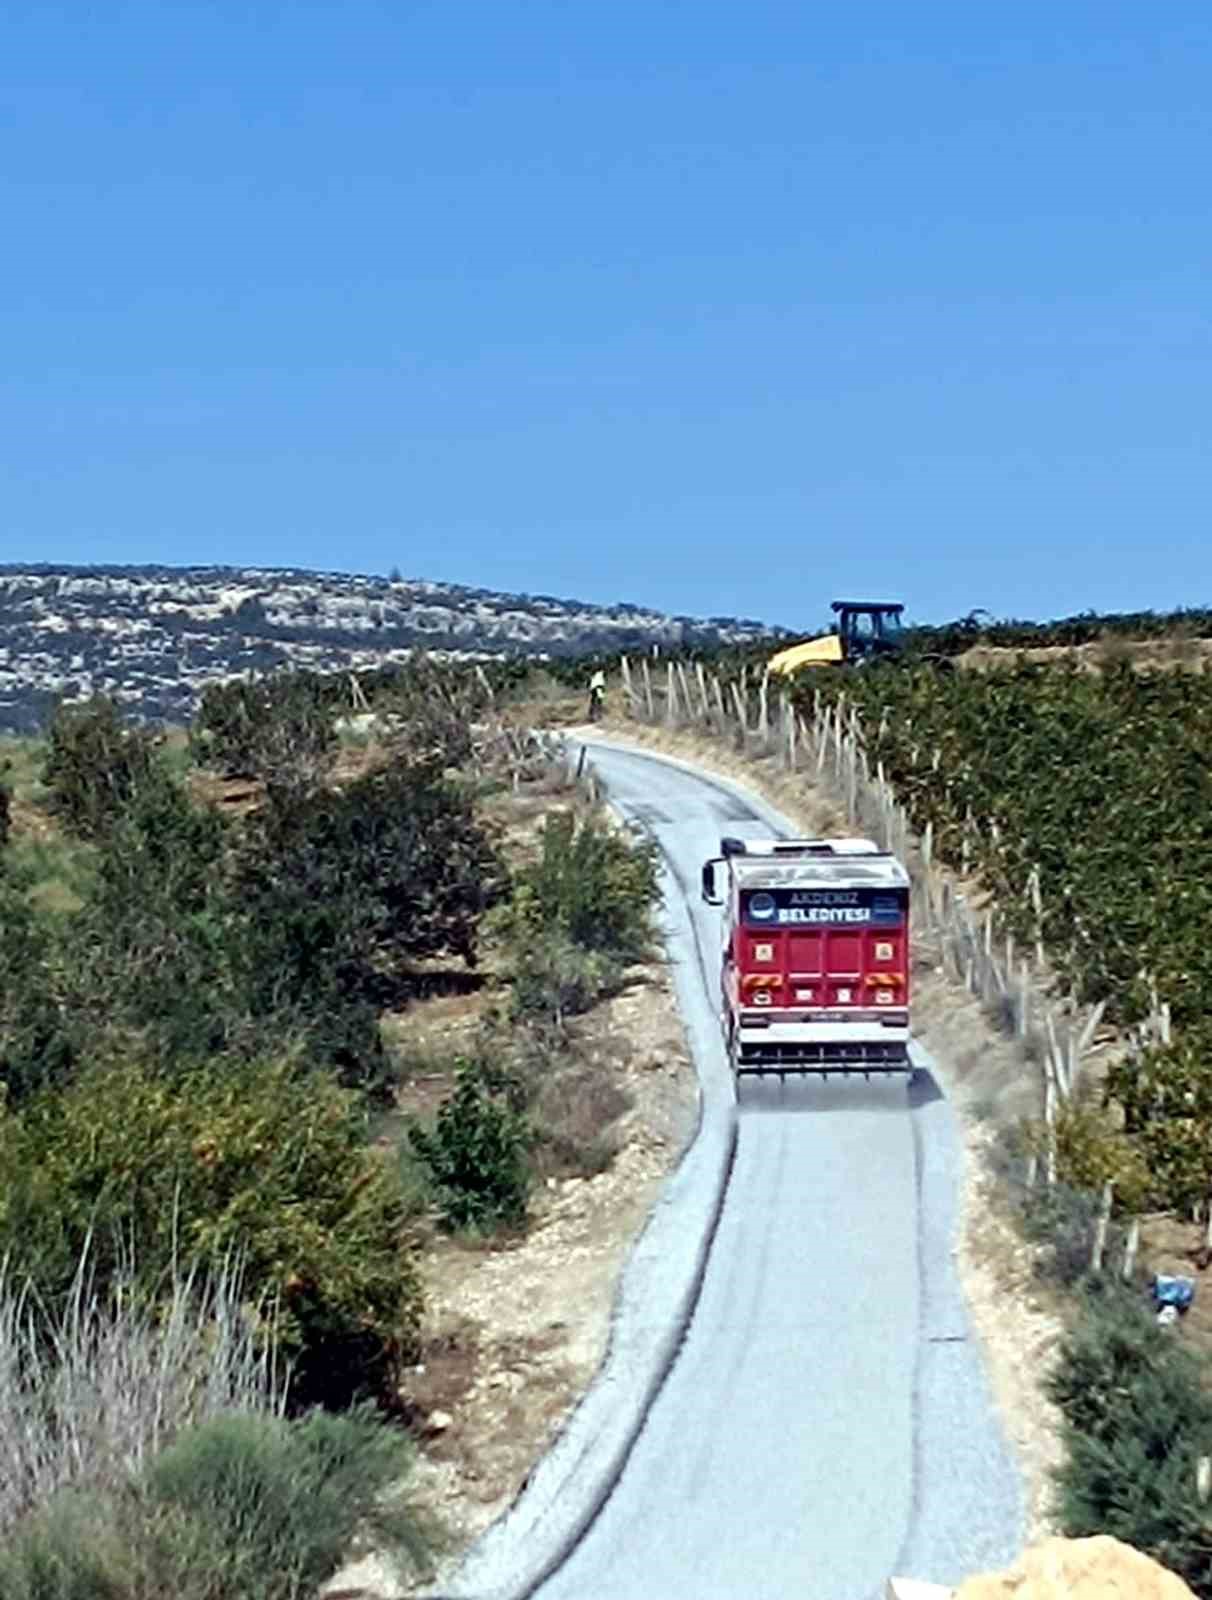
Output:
(516, 1327)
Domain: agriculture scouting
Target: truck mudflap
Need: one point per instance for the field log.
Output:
(753, 1058)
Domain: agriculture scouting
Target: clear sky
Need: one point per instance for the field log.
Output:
(723, 308)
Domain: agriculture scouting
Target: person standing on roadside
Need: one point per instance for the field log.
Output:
(597, 694)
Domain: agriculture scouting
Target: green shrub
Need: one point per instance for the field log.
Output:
(338, 890)
(35, 1047)
(477, 1152)
(279, 728)
(153, 946)
(1165, 1093)
(6, 814)
(242, 1507)
(1092, 1149)
(95, 764)
(1137, 1419)
(260, 1158)
(1062, 1221)
(554, 979)
(1118, 1369)
(77, 1548)
(593, 884)
(98, 1385)
(263, 1509)
(394, 865)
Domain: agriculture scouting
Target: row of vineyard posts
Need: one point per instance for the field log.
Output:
(757, 718)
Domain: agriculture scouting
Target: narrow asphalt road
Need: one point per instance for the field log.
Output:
(826, 1421)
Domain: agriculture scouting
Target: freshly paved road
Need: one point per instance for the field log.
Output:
(826, 1422)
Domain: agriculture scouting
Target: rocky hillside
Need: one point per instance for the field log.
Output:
(153, 636)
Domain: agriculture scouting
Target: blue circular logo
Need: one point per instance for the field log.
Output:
(761, 907)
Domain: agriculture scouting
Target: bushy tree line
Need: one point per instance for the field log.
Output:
(185, 1060)
(181, 1052)
(200, 934)
(284, 728)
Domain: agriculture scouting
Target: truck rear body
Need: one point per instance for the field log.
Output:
(815, 971)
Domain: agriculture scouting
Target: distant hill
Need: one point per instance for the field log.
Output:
(154, 636)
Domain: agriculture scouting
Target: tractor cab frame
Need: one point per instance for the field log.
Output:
(869, 628)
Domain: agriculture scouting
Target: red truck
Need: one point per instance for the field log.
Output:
(815, 973)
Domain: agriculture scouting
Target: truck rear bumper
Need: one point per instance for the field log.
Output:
(822, 1047)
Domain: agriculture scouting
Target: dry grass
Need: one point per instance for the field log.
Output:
(54, 867)
(579, 1097)
(94, 1391)
(21, 762)
(21, 766)
(1178, 652)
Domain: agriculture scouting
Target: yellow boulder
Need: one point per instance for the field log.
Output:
(1063, 1569)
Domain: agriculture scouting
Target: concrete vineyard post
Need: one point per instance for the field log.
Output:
(687, 700)
(628, 692)
(719, 702)
(742, 727)
(1050, 1125)
(1131, 1246)
(1100, 1228)
(703, 700)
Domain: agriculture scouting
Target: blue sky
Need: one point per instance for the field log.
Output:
(727, 309)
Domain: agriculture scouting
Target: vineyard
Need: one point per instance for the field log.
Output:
(1099, 787)
(977, 629)
(1089, 627)
(1083, 803)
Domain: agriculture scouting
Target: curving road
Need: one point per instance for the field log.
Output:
(825, 1422)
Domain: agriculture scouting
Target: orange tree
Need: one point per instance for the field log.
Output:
(264, 1161)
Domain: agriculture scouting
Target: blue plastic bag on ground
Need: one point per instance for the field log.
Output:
(1176, 1292)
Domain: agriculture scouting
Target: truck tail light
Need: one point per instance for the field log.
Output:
(761, 980)
(885, 988)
